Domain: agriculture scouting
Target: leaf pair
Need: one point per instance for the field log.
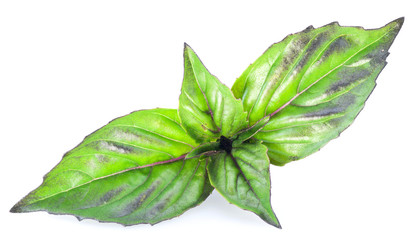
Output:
(153, 165)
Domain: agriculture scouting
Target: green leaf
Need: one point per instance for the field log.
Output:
(242, 176)
(130, 171)
(248, 133)
(204, 149)
(207, 108)
(312, 85)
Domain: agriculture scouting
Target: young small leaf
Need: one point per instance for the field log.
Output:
(242, 176)
(312, 85)
(204, 149)
(207, 108)
(248, 133)
(130, 171)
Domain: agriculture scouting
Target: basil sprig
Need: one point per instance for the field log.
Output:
(153, 165)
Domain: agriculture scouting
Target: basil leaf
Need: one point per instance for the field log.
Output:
(207, 108)
(248, 133)
(312, 85)
(242, 176)
(130, 171)
(204, 149)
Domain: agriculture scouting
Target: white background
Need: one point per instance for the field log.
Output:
(69, 67)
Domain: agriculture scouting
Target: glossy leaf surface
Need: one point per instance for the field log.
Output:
(207, 108)
(243, 178)
(312, 85)
(113, 176)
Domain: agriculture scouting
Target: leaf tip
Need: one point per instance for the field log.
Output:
(188, 52)
(187, 47)
(395, 25)
(399, 22)
(16, 209)
(273, 220)
(24, 205)
(392, 29)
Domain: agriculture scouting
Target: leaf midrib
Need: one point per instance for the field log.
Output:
(201, 90)
(112, 175)
(245, 178)
(149, 131)
(329, 72)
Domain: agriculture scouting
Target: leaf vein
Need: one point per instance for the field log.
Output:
(329, 72)
(154, 133)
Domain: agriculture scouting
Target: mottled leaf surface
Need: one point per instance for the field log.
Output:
(112, 175)
(242, 176)
(207, 108)
(312, 85)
